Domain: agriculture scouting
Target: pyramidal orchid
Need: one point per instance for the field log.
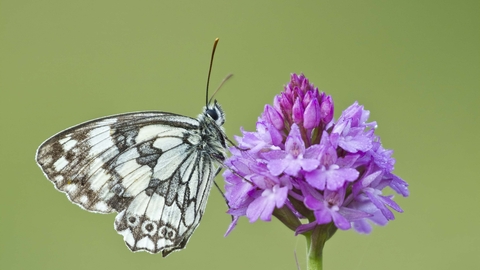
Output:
(313, 173)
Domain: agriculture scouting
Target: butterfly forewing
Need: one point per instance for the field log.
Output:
(154, 168)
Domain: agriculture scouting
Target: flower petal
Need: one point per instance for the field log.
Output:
(294, 144)
(341, 222)
(337, 177)
(277, 166)
(316, 179)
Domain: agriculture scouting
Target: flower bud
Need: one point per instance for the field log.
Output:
(311, 116)
(297, 111)
(307, 98)
(326, 109)
(273, 117)
(277, 103)
(286, 104)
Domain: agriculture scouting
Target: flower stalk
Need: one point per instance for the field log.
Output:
(316, 240)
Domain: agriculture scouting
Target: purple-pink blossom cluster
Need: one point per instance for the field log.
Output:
(302, 165)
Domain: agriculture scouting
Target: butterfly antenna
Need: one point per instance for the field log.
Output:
(210, 70)
(220, 86)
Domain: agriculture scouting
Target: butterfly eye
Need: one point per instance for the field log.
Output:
(213, 113)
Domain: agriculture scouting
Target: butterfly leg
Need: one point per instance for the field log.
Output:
(221, 192)
(218, 188)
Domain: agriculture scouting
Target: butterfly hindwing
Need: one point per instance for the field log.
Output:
(154, 168)
(161, 219)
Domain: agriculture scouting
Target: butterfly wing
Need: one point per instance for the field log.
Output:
(147, 166)
(165, 215)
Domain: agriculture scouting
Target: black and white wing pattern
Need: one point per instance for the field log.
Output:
(154, 168)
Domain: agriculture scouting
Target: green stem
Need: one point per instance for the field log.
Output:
(315, 242)
(287, 217)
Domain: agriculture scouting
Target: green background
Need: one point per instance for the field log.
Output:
(414, 64)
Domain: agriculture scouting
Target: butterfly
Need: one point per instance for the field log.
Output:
(155, 169)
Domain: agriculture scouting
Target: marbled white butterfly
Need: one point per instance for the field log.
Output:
(154, 168)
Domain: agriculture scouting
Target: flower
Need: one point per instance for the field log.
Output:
(309, 170)
(294, 158)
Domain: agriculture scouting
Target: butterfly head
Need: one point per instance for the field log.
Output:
(215, 112)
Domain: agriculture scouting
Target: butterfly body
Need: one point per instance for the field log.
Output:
(154, 168)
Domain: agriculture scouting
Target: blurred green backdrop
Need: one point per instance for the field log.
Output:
(414, 64)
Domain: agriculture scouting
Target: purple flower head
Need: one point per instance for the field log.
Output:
(301, 164)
